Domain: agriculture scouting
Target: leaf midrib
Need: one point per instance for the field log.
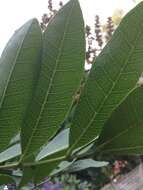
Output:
(51, 81)
(122, 149)
(110, 91)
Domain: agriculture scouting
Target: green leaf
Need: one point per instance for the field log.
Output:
(61, 72)
(6, 179)
(19, 65)
(54, 149)
(59, 143)
(27, 173)
(75, 166)
(42, 171)
(15, 139)
(61, 167)
(27, 176)
(10, 153)
(17, 173)
(37, 173)
(85, 164)
(123, 133)
(111, 79)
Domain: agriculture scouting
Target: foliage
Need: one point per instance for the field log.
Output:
(41, 75)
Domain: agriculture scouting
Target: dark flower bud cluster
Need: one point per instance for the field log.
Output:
(109, 29)
(88, 30)
(91, 52)
(98, 31)
(47, 17)
(61, 4)
(50, 5)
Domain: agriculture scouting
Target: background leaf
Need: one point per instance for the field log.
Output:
(111, 79)
(6, 179)
(75, 166)
(10, 153)
(19, 65)
(84, 164)
(15, 139)
(61, 72)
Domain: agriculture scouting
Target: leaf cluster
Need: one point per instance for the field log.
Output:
(41, 86)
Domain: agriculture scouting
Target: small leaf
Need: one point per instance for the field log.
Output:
(84, 164)
(61, 167)
(17, 173)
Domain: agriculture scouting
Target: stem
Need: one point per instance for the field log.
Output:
(31, 164)
(9, 166)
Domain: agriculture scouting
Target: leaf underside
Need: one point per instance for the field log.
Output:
(61, 72)
(111, 79)
(123, 133)
(19, 64)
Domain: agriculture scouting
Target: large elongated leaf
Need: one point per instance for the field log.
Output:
(19, 64)
(123, 133)
(62, 68)
(114, 75)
